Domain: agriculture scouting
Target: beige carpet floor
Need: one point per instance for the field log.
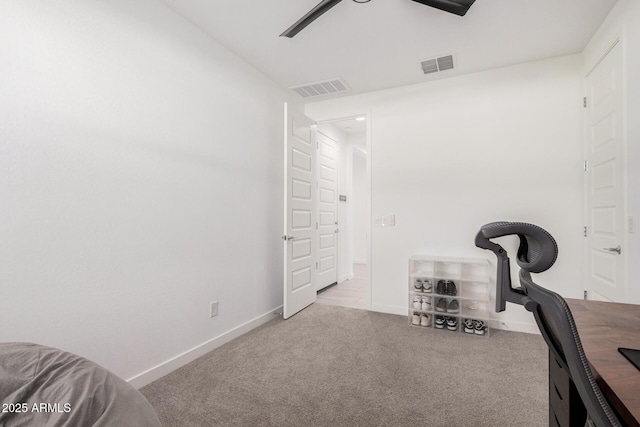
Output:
(336, 366)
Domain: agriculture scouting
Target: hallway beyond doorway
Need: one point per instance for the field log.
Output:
(350, 293)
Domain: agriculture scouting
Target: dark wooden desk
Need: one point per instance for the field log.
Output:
(603, 327)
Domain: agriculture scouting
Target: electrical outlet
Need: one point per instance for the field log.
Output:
(213, 309)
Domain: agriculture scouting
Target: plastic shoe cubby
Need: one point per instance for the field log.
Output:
(463, 280)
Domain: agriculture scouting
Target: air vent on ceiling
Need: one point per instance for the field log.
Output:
(434, 65)
(326, 87)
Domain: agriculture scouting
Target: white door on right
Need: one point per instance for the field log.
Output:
(604, 198)
(327, 211)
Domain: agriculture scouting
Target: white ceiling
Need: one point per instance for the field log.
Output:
(354, 128)
(380, 44)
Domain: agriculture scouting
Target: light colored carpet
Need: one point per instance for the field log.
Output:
(336, 366)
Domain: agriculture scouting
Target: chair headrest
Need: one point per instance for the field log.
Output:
(538, 250)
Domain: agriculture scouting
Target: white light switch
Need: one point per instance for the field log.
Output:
(391, 220)
(384, 221)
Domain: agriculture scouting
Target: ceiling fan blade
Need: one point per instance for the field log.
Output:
(307, 19)
(458, 7)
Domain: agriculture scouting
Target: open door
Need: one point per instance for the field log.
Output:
(327, 211)
(299, 211)
(605, 175)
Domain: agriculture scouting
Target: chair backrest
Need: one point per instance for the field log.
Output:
(558, 328)
(537, 253)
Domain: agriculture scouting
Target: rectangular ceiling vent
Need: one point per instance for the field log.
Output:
(327, 87)
(434, 65)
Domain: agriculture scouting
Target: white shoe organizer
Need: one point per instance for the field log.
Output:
(449, 294)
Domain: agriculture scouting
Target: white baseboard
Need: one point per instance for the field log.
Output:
(509, 325)
(345, 277)
(188, 356)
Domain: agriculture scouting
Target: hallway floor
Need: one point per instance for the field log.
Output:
(350, 293)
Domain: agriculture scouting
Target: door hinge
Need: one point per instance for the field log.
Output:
(585, 231)
(586, 165)
(585, 294)
(584, 102)
(316, 225)
(316, 265)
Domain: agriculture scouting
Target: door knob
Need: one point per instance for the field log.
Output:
(285, 237)
(616, 249)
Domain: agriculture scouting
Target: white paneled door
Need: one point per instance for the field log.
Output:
(605, 256)
(327, 211)
(300, 212)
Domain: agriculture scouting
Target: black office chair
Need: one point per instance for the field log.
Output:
(537, 253)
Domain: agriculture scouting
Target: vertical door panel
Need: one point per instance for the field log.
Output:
(300, 212)
(604, 183)
(327, 211)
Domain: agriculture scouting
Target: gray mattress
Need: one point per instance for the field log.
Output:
(43, 386)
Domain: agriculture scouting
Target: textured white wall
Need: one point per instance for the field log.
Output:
(624, 22)
(141, 168)
(451, 155)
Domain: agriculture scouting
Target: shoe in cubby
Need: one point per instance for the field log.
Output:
(451, 288)
(417, 285)
(425, 320)
(426, 304)
(415, 319)
(440, 322)
(469, 326)
(441, 305)
(452, 323)
(453, 306)
(480, 327)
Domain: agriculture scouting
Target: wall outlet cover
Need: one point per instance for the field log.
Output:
(213, 311)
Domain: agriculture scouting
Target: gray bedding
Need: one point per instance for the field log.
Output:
(42, 386)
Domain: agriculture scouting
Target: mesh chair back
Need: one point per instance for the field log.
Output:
(537, 252)
(558, 328)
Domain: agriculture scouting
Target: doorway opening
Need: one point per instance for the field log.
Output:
(352, 285)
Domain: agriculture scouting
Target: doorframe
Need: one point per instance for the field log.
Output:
(617, 39)
(368, 117)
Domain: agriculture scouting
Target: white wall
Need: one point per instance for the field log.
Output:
(624, 22)
(451, 155)
(141, 179)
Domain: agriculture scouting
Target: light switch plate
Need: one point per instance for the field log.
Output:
(391, 220)
(384, 221)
